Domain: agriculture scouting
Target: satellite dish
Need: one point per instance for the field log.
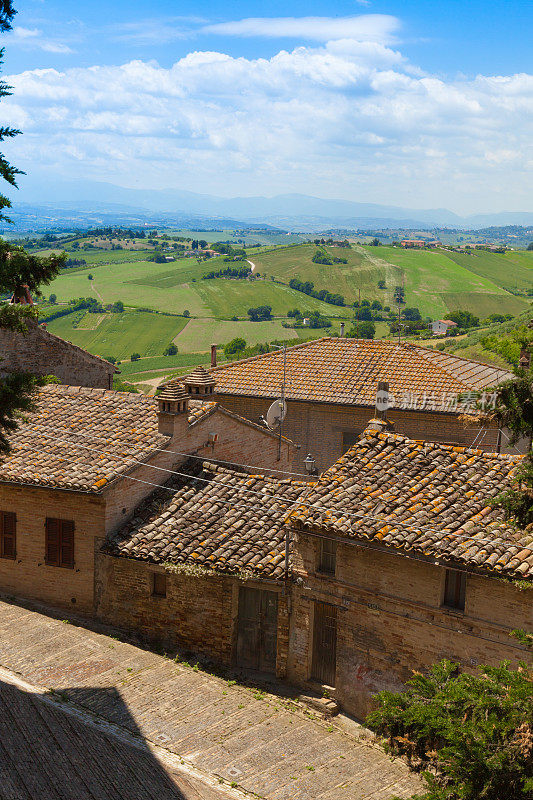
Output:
(276, 413)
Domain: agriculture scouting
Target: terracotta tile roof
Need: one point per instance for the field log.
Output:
(338, 370)
(473, 374)
(430, 499)
(47, 449)
(211, 520)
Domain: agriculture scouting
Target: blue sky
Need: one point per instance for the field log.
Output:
(408, 103)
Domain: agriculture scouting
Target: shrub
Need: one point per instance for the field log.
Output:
(471, 736)
(135, 356)
(235, 346)
(171, 350)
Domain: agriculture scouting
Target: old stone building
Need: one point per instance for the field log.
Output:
(400, 560)
(42, 353)
(80, 465)
(330, 388)
(393, 559)
(202, 566)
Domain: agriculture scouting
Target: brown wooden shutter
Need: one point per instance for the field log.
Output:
(53, 531)
(66, 547)
(8, 523)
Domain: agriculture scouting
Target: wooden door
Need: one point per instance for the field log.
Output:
(324, 644)
(257, 634)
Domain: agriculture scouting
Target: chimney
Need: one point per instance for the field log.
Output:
(173, 410)
(380, 421)
(213, 355)
(199, 384)
(342, 329)
(525, 358)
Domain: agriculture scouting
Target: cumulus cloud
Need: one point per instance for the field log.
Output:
(364, 27)
(347, 118)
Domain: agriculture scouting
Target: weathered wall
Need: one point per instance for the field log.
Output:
(390, 620)
(319, 427)
(198, 615)
(28, 575)
(42, 353)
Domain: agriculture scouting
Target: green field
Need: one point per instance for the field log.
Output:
(120, 335)
(179, 286)
(436, 281)
(200, 334)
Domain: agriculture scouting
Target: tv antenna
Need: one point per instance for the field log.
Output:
(278, 410)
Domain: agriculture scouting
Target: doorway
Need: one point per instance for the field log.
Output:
(257, 634)
(324, 661)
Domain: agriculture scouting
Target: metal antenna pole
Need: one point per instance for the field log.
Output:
(282, 397)
(399, 322)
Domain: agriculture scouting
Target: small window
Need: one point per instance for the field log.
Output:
(59, 543)
(349, 438)
(455, 590)
(8, 536)
(328, 556)
(159, 587)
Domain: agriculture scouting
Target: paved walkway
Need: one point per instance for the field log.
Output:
(238, 737)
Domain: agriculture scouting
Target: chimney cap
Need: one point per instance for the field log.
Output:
(199, 377)
(173, 392)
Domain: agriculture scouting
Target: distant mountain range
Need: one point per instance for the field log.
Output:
(91, 202)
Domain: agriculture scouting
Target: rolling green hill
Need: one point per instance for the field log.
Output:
(177, 286)
(120, 335)
(436, 281)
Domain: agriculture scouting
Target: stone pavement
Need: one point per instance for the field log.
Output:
(251, 741)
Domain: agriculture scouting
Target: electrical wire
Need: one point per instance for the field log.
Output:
(359, 516)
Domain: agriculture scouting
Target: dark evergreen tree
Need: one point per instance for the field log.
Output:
(18, 269)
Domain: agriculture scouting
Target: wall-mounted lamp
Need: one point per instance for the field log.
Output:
(310, 465)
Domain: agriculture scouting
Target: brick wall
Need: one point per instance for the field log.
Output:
(42, 353)
(28, 575)
(319, 427)
(199, 613)
(390, 620)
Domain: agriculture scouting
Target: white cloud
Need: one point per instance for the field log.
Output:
(34, 39)
(364, 27)
(350, 118)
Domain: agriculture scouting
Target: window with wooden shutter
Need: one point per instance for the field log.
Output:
(328, 557)
(455, 590)
(59, 542)
(159, 586)
(8, 534)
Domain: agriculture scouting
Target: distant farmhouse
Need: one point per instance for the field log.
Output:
(420, 243)
(330, 386)
(441, 327)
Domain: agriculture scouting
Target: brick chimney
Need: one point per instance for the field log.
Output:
(199, 384)
(380, 422)
(173, 410)
(213, 355)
